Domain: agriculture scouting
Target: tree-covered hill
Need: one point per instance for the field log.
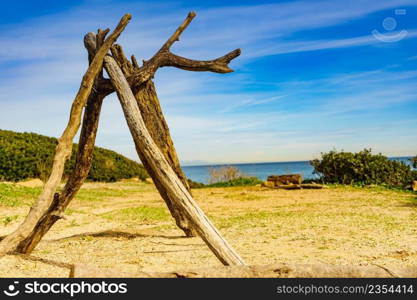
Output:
(29, 155)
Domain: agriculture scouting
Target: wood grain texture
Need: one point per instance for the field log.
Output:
(157, 127)
(165, 58)
(64, 147)
(146, 147)
(151, 111)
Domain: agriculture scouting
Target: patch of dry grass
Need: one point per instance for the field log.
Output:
(128, 225)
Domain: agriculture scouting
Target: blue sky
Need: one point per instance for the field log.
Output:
(313, 75)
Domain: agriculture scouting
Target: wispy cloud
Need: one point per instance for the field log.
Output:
(233, 117)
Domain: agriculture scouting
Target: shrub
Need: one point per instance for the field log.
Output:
(414, 162)
(243, 181)
(224, 174)
(29, 155)
(362, 168)
(194, 184)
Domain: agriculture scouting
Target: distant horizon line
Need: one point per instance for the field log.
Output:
(262, 162)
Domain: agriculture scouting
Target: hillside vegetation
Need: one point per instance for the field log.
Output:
(29, 155)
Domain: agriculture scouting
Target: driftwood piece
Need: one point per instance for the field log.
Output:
(307, 186)
(165, 58)
(157, 126)
(286, 179)
(279, 270)
(140, 79)
(84, 157)
(64, 147)
(146, 147)
(288, 186)
(153, 117)
(313, 186)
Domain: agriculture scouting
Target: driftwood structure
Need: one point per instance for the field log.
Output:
(137, 94)
(136, 91)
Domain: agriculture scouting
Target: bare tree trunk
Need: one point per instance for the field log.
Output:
(64, 147)
(146, 147)
(153, 117)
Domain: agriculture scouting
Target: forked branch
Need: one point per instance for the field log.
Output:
(218, 65)
(137, 75)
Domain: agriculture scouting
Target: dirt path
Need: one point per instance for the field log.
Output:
(127, 225)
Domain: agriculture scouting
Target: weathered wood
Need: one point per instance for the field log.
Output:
(279, 270)
(154, 119)
(313, 186)
(140, 79)
(76, 178)
(288, 186)
(64, 147)
(286, 179)
(165, 58)
(307, 186)
(146, 147)
(84, 157)
(156, 125)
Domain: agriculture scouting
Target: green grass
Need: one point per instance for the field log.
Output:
(139, 214)
(12, 195)
(309, 218)
(244, 181)
(9, 219)
(99, 194)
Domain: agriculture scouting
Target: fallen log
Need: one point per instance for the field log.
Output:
(160, 167)
(288, 187)
(311, 186)
(286, 179)
(278, 270)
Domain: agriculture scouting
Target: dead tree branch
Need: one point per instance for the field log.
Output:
(64, 147)
(146, 147)
(157, 126)
(84, 157)
(165, 58)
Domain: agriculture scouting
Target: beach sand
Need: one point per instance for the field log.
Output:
(126, 225)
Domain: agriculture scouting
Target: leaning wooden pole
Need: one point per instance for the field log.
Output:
(163, 171)
(64, 147)
(157, 126)
(84, 157)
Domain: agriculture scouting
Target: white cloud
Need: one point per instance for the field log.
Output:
(212, 116)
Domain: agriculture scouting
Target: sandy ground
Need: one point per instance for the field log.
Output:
(126, 225)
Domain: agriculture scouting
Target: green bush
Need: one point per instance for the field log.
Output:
(362, 168)
(29, 155)
(414, 162)
(242, 181)
(195, 184)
